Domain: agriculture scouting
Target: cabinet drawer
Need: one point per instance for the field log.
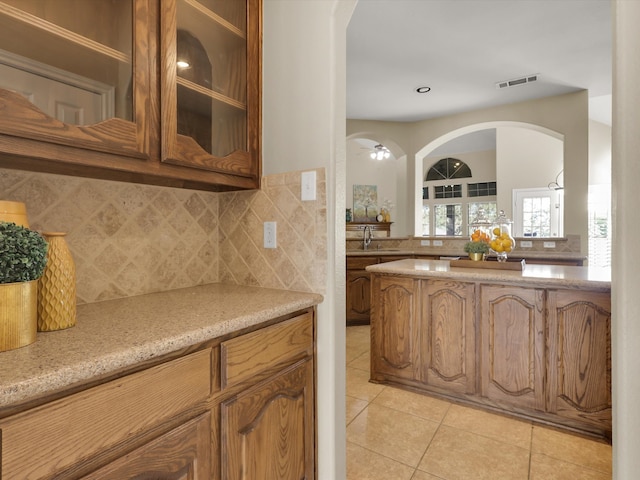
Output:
(360, 262)
(49, 439)
(245, 356)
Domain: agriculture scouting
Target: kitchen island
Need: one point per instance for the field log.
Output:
(184, 380)
(534, 343)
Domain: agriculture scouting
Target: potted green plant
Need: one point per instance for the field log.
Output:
(23, 256)
(476, 249)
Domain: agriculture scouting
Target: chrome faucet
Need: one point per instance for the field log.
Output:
(366, 239)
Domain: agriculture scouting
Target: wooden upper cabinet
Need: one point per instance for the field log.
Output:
(67, 74)
(93, 88)
(210, 85)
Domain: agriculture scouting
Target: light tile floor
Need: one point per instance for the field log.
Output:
(394, 434)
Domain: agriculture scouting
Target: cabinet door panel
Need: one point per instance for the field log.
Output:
(358, 295)
(181, 454)
(267, 432)
(54, 52)
(580, 351)
(211, 76)
(512, 347)
(394, 327)
(448, 335)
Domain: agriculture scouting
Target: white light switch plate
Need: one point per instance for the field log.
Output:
(308, 181)
(526, 244)
(270, 240)
(437, 243)
(549, 244)
(425, 243)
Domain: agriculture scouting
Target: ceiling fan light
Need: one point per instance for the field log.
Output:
(380, 152)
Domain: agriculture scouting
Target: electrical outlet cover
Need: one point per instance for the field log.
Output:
(270, 240)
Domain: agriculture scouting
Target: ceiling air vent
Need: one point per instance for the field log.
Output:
(517, 81)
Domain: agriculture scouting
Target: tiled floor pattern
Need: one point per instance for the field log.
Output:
(393, 434)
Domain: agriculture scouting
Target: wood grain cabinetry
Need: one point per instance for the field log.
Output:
(579, 349)
(176, 455)
(512, 346)
(266, 404)
(267, 430)
(96, 91)
(239, 407)
(395, 333)
(358, 294)
(448, 335)
(62, 438)
(212, 119)
(358, 285)
(543, 353)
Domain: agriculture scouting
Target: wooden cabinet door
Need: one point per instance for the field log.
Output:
(512, 347)
(580, 357)
(75, 74)
(181, 454)
(358, 297)
(358, 286)
(448, 335)
(395, 331)
(210, 88)
(268, 431)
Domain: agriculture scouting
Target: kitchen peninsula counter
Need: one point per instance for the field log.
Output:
(595, 278)
(534, 343)
(113, 336)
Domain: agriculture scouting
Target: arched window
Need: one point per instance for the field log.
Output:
(448, 168)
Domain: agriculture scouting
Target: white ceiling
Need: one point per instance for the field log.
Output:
(462, 48)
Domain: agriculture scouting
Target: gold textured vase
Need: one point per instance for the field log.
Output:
(15, 212)
(57, 286)
(476, 257)
(18, 314)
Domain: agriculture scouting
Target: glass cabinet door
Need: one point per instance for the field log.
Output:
(67, 73)
(210, 97)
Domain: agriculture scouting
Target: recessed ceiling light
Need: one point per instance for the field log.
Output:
(423, 89)
(182, 64)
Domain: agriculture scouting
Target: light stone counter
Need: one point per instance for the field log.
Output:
(113, 335)
(591, 278)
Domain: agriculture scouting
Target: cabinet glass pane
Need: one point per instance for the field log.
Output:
(233, 11)
(211, 55)
(70, 58)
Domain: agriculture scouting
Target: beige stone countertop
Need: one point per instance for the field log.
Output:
(592, 278)
(373, 252)
(112, 335)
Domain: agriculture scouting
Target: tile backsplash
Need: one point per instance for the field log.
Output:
(300, 261)
(126, 239)
(129, 239)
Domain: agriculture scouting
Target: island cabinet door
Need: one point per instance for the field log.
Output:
(512, 346)
(395, 328)
(580, 357)
(448, 335)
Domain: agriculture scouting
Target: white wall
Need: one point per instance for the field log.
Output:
(304, 50)
(525, 159)
(599, 153)
(625, 173)
(388, 175)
